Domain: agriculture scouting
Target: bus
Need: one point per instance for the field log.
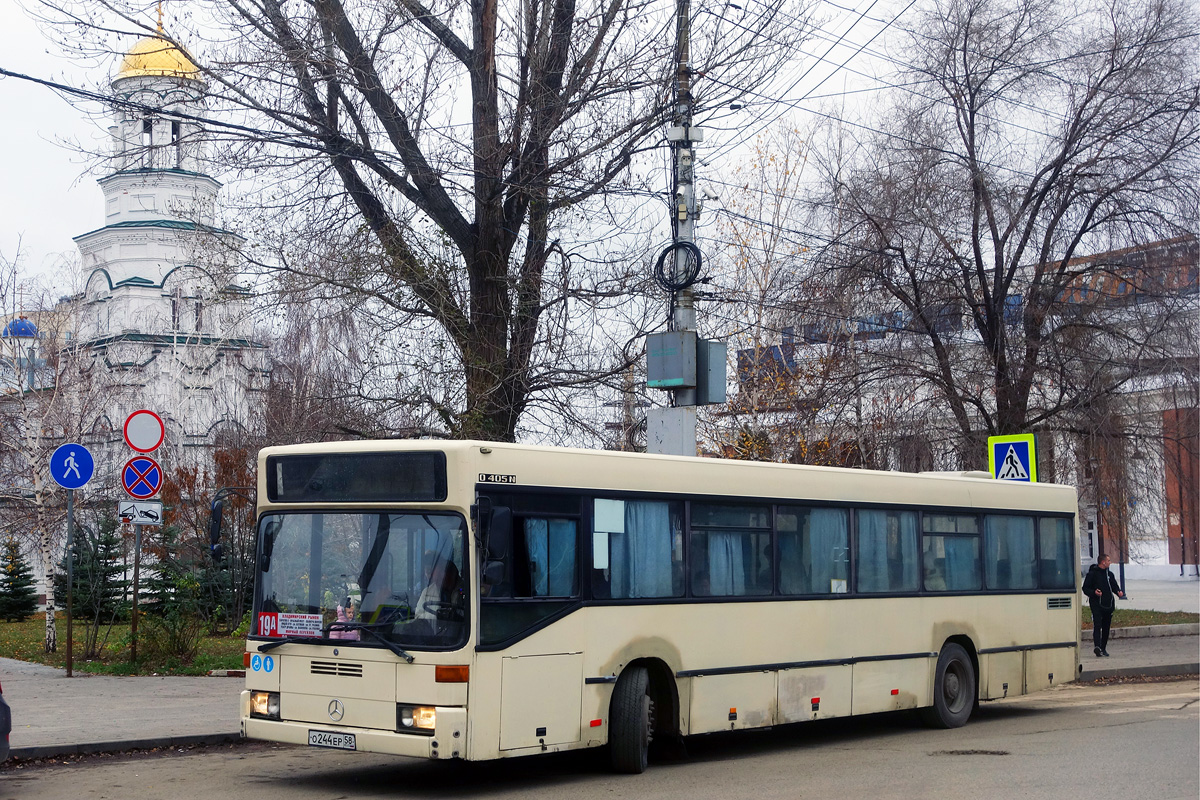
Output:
(481, 600)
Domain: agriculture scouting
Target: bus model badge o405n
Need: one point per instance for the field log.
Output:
(405, 605)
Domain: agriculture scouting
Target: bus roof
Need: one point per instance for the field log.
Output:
(559, 467)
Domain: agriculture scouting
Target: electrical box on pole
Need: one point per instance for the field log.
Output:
(671, 360)
(711, 356)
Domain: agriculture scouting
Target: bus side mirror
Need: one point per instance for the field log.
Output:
(499, 534)
(493, 573)
(270, 531)
(214, 531)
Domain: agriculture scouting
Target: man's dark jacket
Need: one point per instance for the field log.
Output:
(1103, 580)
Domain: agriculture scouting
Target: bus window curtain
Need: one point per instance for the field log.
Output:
(828, 548)
(1058, 560)
(551, 547)
(792, 577)
(887, 551)
(641, 557)
(962, 563)
(537, 544)
(1010, 552)
(726, 564)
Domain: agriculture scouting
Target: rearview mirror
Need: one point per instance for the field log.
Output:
(270, 531)
(499, 535)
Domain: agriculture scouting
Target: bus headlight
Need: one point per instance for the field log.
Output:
(416, 719)
(264, 705)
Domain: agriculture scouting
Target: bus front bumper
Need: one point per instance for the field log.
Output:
(448, 740)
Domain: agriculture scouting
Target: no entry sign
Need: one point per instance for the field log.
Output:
(144, 431)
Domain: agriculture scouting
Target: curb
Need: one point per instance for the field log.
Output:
(1147, 631)
(1159, 671)
(227, 673)
(51, 750)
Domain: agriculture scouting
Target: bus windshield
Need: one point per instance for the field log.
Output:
(367, 578)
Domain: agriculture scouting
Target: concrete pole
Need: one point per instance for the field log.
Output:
(683, 311)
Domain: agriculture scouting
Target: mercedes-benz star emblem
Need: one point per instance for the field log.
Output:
(336, 710)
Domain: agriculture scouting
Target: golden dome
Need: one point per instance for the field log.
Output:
(155, 57)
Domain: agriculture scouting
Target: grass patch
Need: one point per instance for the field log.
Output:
(25, 641)
(1132, 617)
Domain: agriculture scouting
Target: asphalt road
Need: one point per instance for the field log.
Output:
(1124, 740)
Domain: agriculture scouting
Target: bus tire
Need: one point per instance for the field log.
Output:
(629, 721)
(954, 691)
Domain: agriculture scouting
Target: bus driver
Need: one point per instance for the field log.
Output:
(443, 597)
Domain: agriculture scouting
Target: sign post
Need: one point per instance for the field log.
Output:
(141, 477)
(71, 467)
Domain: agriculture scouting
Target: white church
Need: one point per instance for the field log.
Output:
(161, 312)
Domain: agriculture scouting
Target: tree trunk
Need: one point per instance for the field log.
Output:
(47, 547)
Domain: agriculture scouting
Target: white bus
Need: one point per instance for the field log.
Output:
(479, 600)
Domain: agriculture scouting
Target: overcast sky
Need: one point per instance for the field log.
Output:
(47, 194)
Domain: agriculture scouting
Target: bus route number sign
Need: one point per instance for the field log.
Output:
(278, 625)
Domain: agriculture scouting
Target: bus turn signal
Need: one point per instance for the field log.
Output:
(451, 673)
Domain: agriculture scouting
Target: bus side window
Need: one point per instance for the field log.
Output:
(1009, 557)
(1057, 557)
(730, 550)
(544, 558)
(814, 550)
(887, 551)
(637, 549)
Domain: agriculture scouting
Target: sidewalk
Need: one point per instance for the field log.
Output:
(1162, 595)
(56, 715)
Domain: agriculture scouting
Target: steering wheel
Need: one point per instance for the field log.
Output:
(445, 610)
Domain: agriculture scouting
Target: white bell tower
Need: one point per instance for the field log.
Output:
(161, 309)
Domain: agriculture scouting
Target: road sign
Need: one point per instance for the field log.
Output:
(140, 512)
(141, 477)
(72, 466)
(144, 431)
(1013, 458)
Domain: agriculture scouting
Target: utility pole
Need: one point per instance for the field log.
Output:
(692, 369)
(683, 222)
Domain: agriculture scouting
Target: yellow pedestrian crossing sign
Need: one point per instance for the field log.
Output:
(1013, 458)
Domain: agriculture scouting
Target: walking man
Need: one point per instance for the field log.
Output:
(1101, 589)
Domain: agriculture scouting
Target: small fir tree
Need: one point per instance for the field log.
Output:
(98, 591)
(18, 595)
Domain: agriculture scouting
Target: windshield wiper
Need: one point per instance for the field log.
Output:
(370, 627)
(262, 648)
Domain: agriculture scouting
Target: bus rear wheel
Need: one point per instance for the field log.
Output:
(631, 721)
(953, 689)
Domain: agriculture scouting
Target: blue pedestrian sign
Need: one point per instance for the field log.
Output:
(141, 477)
(72, 466)
(1013, 458)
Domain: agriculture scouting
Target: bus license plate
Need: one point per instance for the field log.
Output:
(341, 741)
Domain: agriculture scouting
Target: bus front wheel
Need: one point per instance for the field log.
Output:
(953, 689)
(630, 721)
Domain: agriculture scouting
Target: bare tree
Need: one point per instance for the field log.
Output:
(1039, 133)
(49, 396)
(449, 151)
